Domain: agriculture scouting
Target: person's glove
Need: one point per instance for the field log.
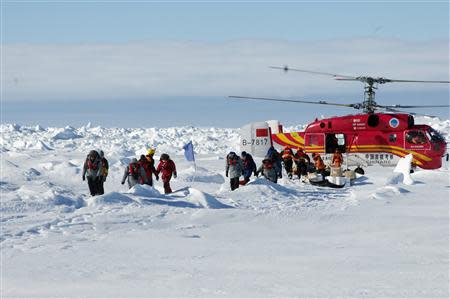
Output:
(157, 178)
(122, 183)
(255, 174)
(226, 174)
(174, 175)
(84, 178)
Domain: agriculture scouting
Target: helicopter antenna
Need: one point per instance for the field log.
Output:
(371, 84)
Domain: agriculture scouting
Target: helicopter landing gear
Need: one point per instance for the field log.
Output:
(359, 170)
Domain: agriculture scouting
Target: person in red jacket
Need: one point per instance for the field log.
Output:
(167, 168)
(149, 171)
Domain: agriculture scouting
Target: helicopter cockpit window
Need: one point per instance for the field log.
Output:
(434, 135)
(416, 137)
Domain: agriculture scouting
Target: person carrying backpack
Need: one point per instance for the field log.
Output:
(233, 169)
(268, 170)
(301, 160)
(92, 169)
(150, 153)
(249, 167)
(319, 164)
(274, 155)
(287, 157)
(167, 168)
(134, 173)
(105, 169)
(149, 171)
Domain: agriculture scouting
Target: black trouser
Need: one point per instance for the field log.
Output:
(94, 186)
(234, 183)
(100, 190)
(322, 172)
(302, 168)
(288, 166)
(149, 182)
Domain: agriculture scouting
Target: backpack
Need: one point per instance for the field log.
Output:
(92, 165)
(232, 161)
(268, 165)
(134, 170)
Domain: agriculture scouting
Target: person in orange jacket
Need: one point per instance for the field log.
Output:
(287, 157)
(337, 159)
(301, 160)
(167, 168)
(319, 164)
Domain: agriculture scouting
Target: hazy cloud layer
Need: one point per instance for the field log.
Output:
(139, 70)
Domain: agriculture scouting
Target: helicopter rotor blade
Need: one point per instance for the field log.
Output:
(412, 106)
(364, 79)
(286, 69)
(408, 112)
(356, 106)
(414, 81)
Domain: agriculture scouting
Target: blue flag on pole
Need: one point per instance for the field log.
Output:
(189, 151)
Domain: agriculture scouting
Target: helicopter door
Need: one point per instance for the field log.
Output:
(416, 140)
(335, 141)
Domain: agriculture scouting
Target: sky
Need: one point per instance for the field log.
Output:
(108, 21)
(55, 52)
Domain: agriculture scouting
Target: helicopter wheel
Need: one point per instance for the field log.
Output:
(359, 170)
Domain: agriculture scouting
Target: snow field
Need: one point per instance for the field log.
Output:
(377, 238)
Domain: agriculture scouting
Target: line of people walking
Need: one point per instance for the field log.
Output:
(141, 171)
(271, 166)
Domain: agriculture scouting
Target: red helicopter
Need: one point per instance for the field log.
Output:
(371, 137)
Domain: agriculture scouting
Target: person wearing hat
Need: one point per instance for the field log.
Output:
(337, 159)
(92, 169)
(167, 168)
(233, 169)
(149, 170)
(249, 167)
(268, 170)
(105, 169)
(287, 157)
(134, 173)
(301, 160)
(150, 153)
(319, 164)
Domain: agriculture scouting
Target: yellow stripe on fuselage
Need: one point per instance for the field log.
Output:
(298, 138)
(283, 138)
